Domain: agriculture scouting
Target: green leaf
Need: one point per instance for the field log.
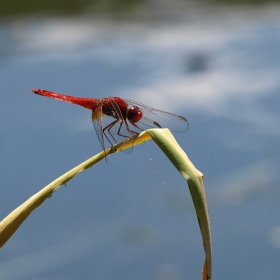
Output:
(165, 140)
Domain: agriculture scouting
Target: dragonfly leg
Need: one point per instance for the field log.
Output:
(111, 125)
(127, 128)
(136, 127)
(108, 128)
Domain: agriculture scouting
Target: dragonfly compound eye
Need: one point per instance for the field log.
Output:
(134, 114)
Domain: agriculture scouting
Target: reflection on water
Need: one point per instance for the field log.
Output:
(114, 8)
(15, 9)
(274, 237)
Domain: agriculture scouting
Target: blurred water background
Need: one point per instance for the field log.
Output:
(217, 63)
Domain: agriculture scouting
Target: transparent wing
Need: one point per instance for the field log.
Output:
(153, 118)
(97, 124)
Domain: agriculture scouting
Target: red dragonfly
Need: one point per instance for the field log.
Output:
(116, 119)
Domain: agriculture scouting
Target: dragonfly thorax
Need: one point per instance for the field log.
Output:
(119, 109)
(114, 106)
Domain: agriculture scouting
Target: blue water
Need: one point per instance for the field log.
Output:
(133, 218)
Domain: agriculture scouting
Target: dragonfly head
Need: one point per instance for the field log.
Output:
(134, 114)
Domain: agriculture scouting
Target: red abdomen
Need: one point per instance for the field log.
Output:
(89, 103)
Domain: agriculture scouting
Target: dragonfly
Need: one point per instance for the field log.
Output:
(116, 119)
